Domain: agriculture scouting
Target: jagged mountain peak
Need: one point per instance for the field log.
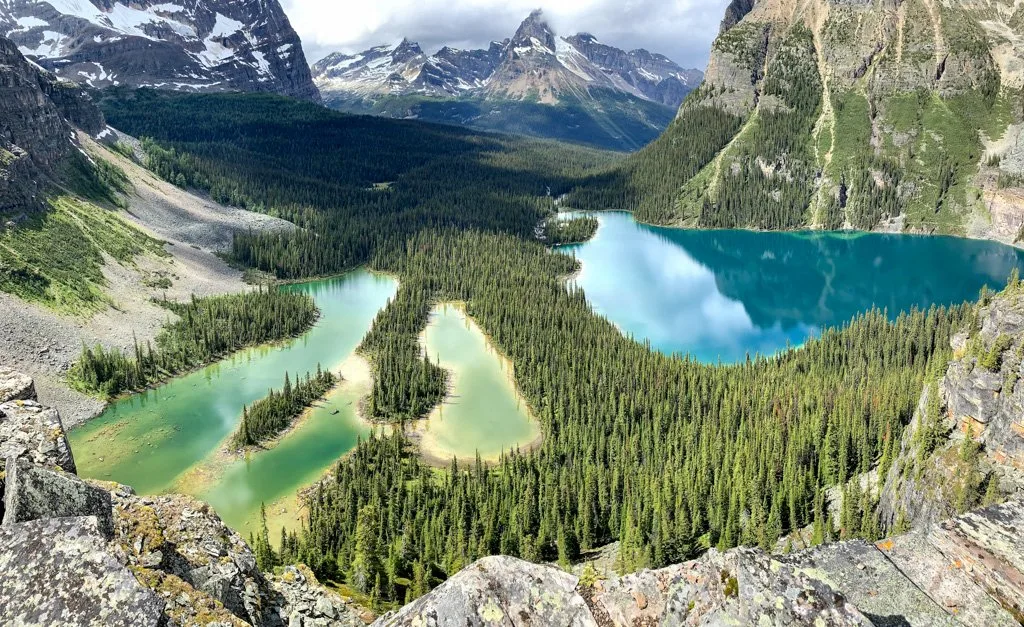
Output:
(535, 28)
(407, 49)
(534, 61)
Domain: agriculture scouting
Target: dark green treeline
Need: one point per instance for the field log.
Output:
(206, 329)
(660, 453)
(354, 183)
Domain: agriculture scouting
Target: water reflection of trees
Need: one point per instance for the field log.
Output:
(827, 278)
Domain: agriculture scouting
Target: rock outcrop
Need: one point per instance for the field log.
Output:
(966, 571)
(35, 128)
(966, 441)
(244, 45)
(76, 552)
(60, 571)
(36, 493)
(307, 604)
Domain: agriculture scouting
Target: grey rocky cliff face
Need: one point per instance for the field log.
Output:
(75, 552)
(35, 128)
(980, 400)
(192, 45)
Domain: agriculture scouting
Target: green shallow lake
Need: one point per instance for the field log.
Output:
(167, 437)
(483, 412)
(719, 295)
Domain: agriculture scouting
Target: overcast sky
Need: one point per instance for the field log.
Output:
(681, 29)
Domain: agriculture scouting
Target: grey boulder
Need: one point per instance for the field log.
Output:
(60, 571)
(33, 492)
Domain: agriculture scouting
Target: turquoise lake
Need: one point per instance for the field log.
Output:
(719, 295)
(167, 439)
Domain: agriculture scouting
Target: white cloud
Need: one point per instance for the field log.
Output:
(681, 29)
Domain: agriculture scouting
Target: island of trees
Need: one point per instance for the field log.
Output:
(268, 417)
(206, 329)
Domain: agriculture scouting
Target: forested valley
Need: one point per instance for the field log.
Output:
(389, 180)
(663, 454)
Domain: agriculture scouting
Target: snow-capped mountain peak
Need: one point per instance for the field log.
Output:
(534, 33)
(533, 63)
(197, 45)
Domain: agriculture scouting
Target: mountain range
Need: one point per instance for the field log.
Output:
(192, 45)
(535, 83)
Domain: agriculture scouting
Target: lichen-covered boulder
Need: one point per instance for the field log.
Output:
(307, 604)
(60, 571)
(989, 545)
(34, 492)
(871, 582)
(499, 591)
(951, 583)
(180, 536)
(15, 386)
(739, 587)
(35, 433)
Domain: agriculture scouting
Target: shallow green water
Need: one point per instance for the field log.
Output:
(722, 294)
(483, 412)
(150, 440)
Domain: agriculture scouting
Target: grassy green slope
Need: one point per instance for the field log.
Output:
(55, 257)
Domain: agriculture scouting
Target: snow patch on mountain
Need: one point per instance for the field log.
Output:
(197, 45)
(533, 61)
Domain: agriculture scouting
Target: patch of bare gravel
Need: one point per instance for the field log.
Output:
(44, 344)
(175, 214)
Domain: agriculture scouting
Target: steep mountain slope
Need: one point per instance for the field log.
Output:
(965, 445)
(246, 45)
(875, 114)
(74, 269)
(532, 83)
(35, 127)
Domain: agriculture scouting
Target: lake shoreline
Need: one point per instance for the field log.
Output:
(880, 230)
(278, 343)
(433, 454)
(178, 439)
(285, 511)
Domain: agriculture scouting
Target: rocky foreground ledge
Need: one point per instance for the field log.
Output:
(77, 552)
(965, 571)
